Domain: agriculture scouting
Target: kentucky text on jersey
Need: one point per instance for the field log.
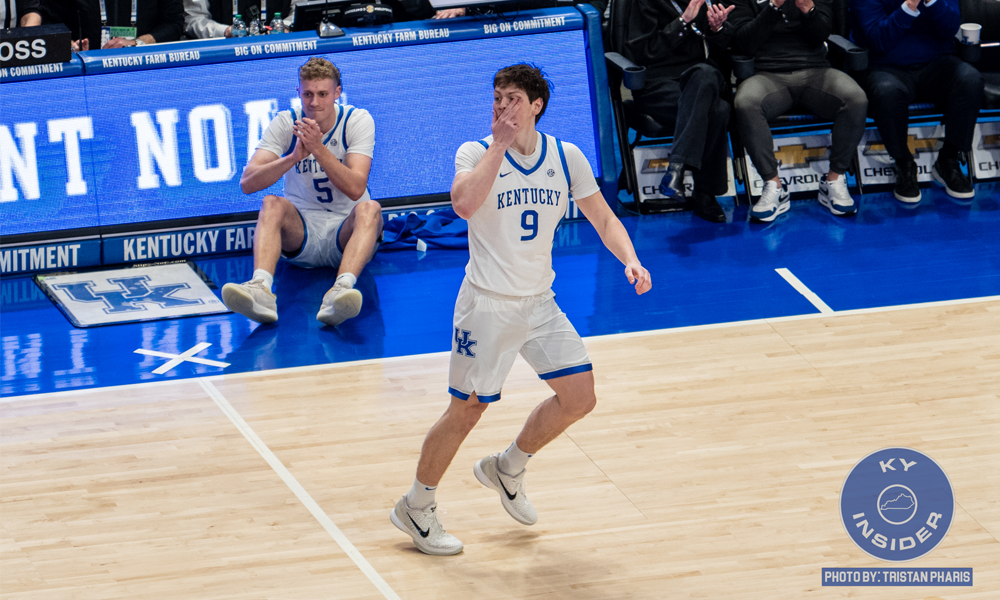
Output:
(308, 165)
(528, 196)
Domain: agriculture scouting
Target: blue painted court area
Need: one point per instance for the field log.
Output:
(889, 254)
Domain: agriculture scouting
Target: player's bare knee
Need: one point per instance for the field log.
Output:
(271, 202)
(471, 418)
(579, 406)
(585, 406)
(468, 412)
(368, 213)
(272, 209)
(475, 407)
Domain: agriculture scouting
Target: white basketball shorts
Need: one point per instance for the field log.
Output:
(321, 246)
(490, 330)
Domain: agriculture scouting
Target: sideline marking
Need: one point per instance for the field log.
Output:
(802, 289)
(607, 336)
(299, 491)
(177, 359)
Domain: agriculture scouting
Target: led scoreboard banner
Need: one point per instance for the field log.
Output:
(142, 149)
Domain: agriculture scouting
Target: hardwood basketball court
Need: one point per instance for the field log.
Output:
(711, 468)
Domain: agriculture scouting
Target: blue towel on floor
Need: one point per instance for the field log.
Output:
(440, 229)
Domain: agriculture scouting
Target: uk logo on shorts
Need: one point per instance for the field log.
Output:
(463, 343)
(897, 504)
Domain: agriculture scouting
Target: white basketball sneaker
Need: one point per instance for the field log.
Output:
(425, 529)
(513, 495)
(339, 304)
(252, 300)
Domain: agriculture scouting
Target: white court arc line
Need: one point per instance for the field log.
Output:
(609, 336)
(299, 491)
(802, 289)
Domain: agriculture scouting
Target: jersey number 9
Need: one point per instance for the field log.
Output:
(529, 222)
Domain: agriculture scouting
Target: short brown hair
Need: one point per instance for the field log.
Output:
(527, 78)
(319, 68)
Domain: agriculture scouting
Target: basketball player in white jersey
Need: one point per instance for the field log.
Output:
(326, 217)
(513, 188)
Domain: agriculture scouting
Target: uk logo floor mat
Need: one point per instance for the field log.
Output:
(142, 293)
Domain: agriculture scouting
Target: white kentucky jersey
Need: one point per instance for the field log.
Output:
(306, 185)
(510, 236)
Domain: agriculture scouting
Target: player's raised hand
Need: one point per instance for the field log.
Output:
(506, 123)
(638, 276)
(310, 137)
(300, 151)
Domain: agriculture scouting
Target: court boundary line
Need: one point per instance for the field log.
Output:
(296, 488)
(629, 334)
(622, 335)
(793, 318)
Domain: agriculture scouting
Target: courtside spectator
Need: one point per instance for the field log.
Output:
(687, 89)
(787, 39)
(20, 13)
(157, 21)
(214, 18)
(450, 13)
(910, 50)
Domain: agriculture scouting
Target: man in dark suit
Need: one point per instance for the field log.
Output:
(19, 13)
(684, 87)
(157, 21)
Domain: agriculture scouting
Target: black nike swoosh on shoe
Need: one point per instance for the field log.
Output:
(504, 488)
(422, 532)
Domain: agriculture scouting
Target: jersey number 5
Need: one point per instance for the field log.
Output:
(323, 189)
(529, 222)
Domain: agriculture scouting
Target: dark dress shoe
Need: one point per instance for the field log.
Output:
(672, 183)
(906, 188)
(662, 205)
(948, 172)
(707, 207)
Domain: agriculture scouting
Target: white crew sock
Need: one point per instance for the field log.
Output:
(267, 277)
(420, 496)
(347, 280)
(513, 459)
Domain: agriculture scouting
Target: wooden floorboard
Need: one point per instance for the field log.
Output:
(152, 493)
(711, 468)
